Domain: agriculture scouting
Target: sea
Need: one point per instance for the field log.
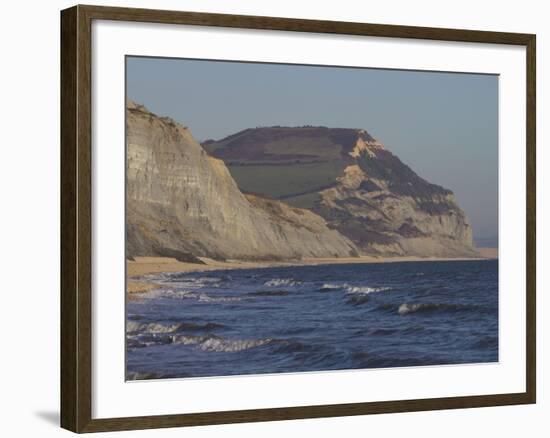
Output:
(314, 318)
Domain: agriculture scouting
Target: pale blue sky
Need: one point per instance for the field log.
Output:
(443, 125)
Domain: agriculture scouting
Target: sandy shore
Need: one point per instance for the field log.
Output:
(154, 265)
(134, 287)
(489, 253)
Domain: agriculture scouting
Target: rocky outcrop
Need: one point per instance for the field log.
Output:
(183, 203)
(383, 219)
(360, 188)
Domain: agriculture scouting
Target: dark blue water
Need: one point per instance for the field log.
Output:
(313, 318)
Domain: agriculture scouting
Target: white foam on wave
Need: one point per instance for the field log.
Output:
(350, 289)
(167, 278)
(153, 293)
(152, 327)
(365, 289)
(186, 294)
(332, 286)
(218, 344)
(282, 282)
(209, 299)
(176, 293)
(407, 308)
(232, 345)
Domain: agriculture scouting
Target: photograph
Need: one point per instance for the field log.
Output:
(266, 219)
(287, 218)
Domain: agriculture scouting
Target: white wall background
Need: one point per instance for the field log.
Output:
(29, 185)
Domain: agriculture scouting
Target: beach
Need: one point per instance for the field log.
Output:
(141, 266)
(313, 317)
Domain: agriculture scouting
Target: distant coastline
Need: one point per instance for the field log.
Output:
(141, 266)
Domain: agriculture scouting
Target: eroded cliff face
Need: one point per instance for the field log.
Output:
(360, 188)
(183, 203)
(382, 219)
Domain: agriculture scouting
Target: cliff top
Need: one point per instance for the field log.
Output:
(285, 144)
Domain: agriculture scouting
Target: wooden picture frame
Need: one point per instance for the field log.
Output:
(76, 217)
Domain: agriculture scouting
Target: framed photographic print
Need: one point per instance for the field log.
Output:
(270, 218)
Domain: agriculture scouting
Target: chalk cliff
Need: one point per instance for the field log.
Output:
(183, 203)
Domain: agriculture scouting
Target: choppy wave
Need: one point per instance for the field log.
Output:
(269, 293)
(407, 308)
(182, 280)
(156, 334)
(141, 335)
(358, 299)
(350, 289)
(186, 276)
(209, 299)
(153, 327)
(219, 344)
(331, 286)
(188, 294)
(282, 282)
(143, 340)
(390, 315)
(159, 328)
(365, 289)
(208, 342)
(175, 294)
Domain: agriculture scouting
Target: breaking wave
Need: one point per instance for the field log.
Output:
(208, 342)
(188, 294)
(282, 282)
(407, 308)
(331, 286)
(184, 281)
(158, 328)
(153, 327)
(365, 289)
(370, 316)
(216, 343)
(350, 289)
(209, 299)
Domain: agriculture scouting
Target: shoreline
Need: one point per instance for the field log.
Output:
(155, 265)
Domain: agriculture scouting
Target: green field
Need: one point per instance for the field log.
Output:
(284, 181)
(320, 147)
